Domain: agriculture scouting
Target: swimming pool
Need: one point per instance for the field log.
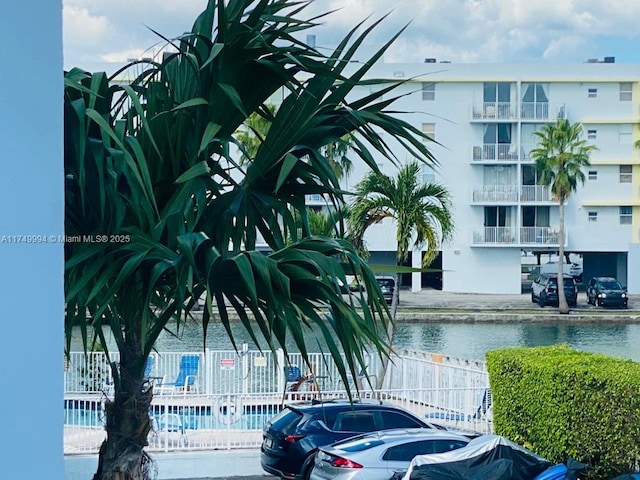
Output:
(229, 414)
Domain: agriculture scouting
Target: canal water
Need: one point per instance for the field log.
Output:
(466, 340)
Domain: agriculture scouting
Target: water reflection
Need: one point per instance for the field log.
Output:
(468, 340)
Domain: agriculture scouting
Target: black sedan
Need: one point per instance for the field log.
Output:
(606, 292)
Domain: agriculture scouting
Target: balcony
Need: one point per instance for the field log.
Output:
(495, 236)
(493, 111)
(547, 236)
(535, 194)
(517, 237)
(495, 152)
(525, 149)
(495, 194)
(542, 111)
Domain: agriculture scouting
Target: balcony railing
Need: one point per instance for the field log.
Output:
(540, 236)
(495, 235)
(506, 152)
(534, 193)
(496, 193)
(547, 236)
(525, 151)
(493, 111)
(542, 111)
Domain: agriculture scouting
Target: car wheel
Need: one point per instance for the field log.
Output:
(588, 299)
(541, 301)
(573, 304)
(598, 303)
(307, 473)
(533, 298)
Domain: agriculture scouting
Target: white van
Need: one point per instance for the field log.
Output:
(573, 269)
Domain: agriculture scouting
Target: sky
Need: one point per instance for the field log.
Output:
(104, 34)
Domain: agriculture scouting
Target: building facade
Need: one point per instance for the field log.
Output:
(483, 118)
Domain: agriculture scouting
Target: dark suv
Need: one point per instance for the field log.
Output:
(544, 290)
(606, 291)
(291, 438)
(387, 285)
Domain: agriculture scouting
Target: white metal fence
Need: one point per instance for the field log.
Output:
(235, 399)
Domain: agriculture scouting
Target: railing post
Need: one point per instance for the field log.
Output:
(245, 368)
(280, 370)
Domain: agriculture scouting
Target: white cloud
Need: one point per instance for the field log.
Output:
(81, 28)
(455, 30)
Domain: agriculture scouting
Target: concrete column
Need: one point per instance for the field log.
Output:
(416, 277)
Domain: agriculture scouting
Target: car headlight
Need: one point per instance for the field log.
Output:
(624, 295)
(603, 295)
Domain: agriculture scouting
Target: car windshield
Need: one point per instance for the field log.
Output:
(386, 282)
(611, 285)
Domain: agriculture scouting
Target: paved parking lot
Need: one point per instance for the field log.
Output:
(430, 298)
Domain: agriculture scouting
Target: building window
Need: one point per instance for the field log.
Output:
(592, 134)
(593, 216)
(626, 215)
(429, 129)
(626, 91)
(592, 93)
(593, 175)
(428, 91)
(625, 134)
(626, 175)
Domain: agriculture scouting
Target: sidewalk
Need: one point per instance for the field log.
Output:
(214, 464)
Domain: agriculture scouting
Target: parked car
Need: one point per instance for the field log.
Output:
(387, 285)
(379, 455)
(606, 291)
(291, 438)
(544, 290)
(489, 457)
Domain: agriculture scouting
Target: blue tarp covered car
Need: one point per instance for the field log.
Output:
(488, 456)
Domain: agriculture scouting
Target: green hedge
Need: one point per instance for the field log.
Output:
(559, 402)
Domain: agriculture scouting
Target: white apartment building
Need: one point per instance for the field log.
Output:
(483, 116)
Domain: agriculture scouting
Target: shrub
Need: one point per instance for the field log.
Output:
(559, 403)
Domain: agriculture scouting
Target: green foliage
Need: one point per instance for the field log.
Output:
(255, 130)
(422, 211)
(170, 216)
(560, 156)
(563, 403)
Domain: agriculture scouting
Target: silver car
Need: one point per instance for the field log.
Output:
(379, 455)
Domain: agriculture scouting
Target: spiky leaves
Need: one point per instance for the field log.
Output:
(165, 215)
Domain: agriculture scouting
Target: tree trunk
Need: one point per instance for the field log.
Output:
(563, 306)
(121, 455)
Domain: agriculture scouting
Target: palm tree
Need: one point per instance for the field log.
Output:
(254, 131)
(422, 213)
(168, 216)
(560, 156)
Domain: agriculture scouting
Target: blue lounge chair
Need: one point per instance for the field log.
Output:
(187, 379)
(146, 376)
